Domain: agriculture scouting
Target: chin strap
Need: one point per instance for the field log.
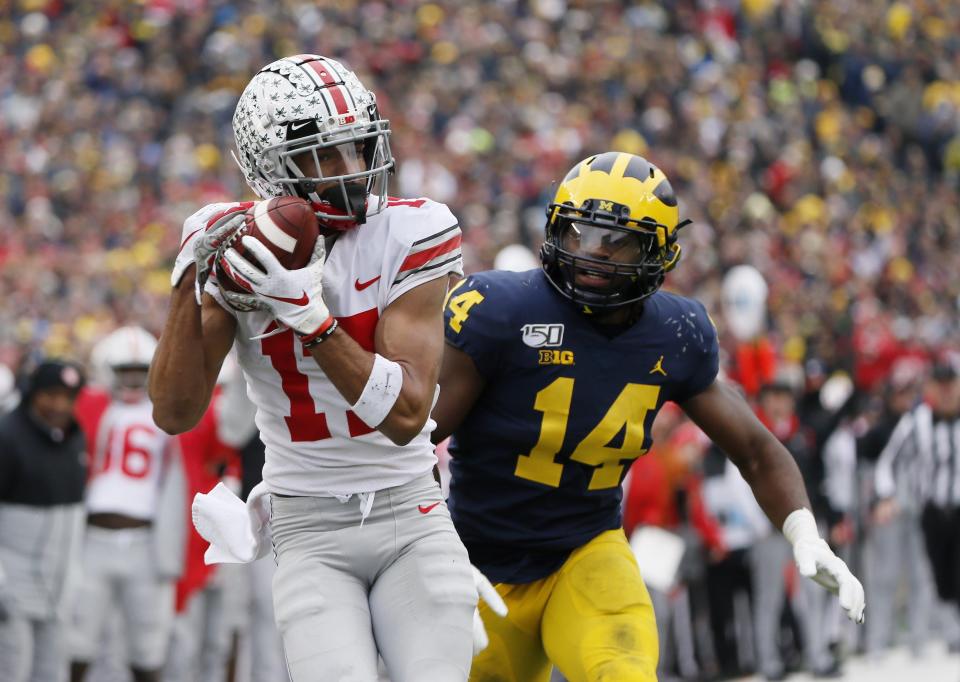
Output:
(349, 197)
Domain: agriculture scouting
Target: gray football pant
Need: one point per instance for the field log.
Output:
(119, 572)
(895, 551)
(33, 650)
(248, 590)
(399, 584)
(768, 557)
(200, 641)
(673, 618)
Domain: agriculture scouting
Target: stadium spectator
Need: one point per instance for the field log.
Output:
(43, 473)
(835, 158)
(818, 142)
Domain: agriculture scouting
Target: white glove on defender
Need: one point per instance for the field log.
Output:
(294, 297)
(199, 243)
(815, 560)
(490, 595)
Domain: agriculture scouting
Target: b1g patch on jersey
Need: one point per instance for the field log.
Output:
(543, 335)
(556, 357)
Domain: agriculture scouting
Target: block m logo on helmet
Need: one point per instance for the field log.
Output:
(611, 232)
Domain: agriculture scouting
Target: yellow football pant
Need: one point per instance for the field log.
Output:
(592, 618)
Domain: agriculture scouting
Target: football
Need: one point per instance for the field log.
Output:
(287, 226)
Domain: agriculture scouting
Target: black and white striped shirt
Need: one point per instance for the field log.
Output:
(921, 461)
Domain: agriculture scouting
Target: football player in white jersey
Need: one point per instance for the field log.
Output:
(341, 359)
(135, 522)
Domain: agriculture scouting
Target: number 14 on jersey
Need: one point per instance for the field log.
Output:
(627, 414)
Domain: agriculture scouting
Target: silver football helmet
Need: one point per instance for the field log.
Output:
(306, 126)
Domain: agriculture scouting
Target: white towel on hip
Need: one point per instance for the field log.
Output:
(238, 533)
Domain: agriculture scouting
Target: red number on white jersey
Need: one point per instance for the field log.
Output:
(304, 423)
(135, 458)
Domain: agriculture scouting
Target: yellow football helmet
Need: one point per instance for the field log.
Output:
(611, 232)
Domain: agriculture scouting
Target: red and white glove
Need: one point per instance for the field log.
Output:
(294, 297)
(489, 594)
(815, 560)
(201, 238)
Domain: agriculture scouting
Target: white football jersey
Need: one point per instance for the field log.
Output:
(315, 446)
(128, 460)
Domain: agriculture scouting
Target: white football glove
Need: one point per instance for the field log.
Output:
(815, 560)
(489, 594)
(199, 242)
(294, 297)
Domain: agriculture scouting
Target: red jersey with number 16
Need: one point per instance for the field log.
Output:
(315, 446)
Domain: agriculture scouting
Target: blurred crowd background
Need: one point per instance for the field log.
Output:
(816, 140)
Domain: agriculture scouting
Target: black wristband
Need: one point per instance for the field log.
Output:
(312, 341)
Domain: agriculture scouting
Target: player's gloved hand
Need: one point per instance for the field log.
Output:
(200, 240)
(490, 595)
(294, 297)
(815, 560)
(209, 243)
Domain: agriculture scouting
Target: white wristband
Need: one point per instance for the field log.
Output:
(380, 393)
(800, 525)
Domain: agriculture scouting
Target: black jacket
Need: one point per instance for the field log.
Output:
(40, 467)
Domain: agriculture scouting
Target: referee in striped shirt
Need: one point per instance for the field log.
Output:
(929, 437)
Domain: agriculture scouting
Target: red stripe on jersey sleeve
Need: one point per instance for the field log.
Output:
(415, 260)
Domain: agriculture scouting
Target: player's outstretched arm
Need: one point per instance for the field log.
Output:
(460, 386)
(194, 342)
(778, 486)
(764, 462)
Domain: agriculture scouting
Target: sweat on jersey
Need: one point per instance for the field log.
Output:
(315, 445)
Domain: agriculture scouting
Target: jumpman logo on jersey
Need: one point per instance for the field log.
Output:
(659, 367)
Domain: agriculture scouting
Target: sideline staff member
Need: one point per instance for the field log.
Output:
(43, 472)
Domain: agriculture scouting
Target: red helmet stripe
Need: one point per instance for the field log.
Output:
(336, 94)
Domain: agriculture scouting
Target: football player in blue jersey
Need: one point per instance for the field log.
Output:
(550, 384)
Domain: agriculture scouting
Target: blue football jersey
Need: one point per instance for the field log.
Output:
(538, 462)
